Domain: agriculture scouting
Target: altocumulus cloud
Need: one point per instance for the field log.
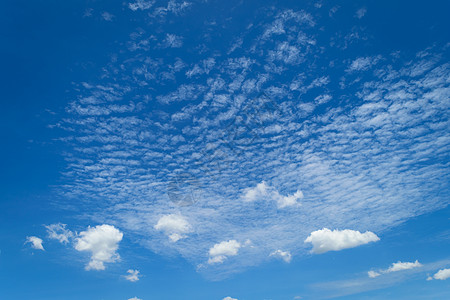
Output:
(36, 243)
(284, 255)
(263, 191)
(102, 241)
(325, 240)
(219, 252)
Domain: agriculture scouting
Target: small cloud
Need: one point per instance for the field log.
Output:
(263, 191)
(141, 4)
(361, 12)
(102, 241)
(172, 41)
(135, 298)
(441, 275)
(133, 275)
(395, 267)
(229, 298)
(284, 255)
(219, 252)
(36, 243)
(325, 240)
(174, 226)
(373, 274)
(59, 232)
(362, 63)
(107, 16)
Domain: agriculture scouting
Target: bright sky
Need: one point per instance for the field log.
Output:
(225, 150)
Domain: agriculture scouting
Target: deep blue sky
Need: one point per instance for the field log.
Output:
(208, 144)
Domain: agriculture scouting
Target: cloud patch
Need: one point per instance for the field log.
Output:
(36, 243)
(442, 274)
(325, 240)
(133, 275)
(102, 241)
(219, 252)
(262, 191)
(174, 226)
(395, 267)
(284, 255)
(59, 232)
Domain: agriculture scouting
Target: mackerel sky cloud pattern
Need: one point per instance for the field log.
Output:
(258, 113)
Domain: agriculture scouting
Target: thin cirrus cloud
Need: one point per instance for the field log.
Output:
(59, 232)
(325, 240)
(395, 267)
(36, 243)
(102, 241)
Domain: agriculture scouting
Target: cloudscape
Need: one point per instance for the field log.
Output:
(225, 150)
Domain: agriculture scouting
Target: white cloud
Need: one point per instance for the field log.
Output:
(262, 191)
(141, 4)
(325, 240)
(284, 255)
(59, 232)
(135, 298)
(102, 241)
(362, 63)
(133, 275)
(174, 226)
(400, 266)
(361, 12)
(373, 274)
(107, 16)
(219, 252)
(441, 275)
(229, 298)
(395, 267)
(36, 243)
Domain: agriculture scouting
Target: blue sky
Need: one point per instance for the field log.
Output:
(225, 150)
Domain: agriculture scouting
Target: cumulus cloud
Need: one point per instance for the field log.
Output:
(59, 232)
(174, 226)
(229, 298)
(36, 243)
(284, 255)
(135, 298)
(219, 252)
(441, 275)
(325, 240)
(262, 191)
(102, 241)
(133, 275)
(395, 267)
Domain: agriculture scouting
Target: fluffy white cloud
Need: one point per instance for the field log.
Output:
(59, 232)
(219, 252)
(135, 298)
(395, 267)
(441, 275)
(229, 298)
(284, 255)
(36, 243)
(102, 241)
(174, 226)
(325, 240)
(133, 275)
(263, 191)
